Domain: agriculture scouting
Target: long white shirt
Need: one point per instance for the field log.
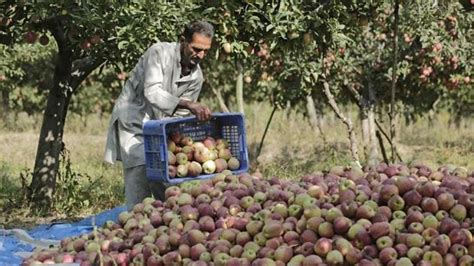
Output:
(152, 92)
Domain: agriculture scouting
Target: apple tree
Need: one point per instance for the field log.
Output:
(231, 56)
(344, 52)
(87, 36)
(19, 67)
(431, 63)
(284, 45)
(297, 47)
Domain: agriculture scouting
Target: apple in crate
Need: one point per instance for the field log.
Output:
(182, 170)
(181, 158)
(186, 141)
(194, 169)
(209, 167)
(171, 146)
(175, 137)
(213, 155)
(188, 150)
(221, 144)
(198, 145)
(201, 154)
(221, 165)
(171, 158)
(225, 154)
(233, 163)
(210, 143)
(172, 171)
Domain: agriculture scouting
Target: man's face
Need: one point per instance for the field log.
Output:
(196, 50)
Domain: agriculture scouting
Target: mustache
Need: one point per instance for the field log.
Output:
(194, 61)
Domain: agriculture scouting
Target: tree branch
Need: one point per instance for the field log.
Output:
(382, 147)
(82, 68)
(56, 27)
(394, 81)
(220, 99)
(346, 121)
(356, 95)
(313, 119)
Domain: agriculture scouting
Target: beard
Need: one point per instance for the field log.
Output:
(193, 62)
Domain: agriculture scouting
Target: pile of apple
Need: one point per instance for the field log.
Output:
(384, 215)
(188, 158)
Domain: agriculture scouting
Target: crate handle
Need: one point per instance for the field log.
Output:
(163, 152)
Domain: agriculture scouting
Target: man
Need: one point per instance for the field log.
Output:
(166, 82)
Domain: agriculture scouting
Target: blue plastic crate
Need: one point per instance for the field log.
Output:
(229, 126)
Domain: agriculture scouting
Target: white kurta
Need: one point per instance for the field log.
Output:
(152, 92)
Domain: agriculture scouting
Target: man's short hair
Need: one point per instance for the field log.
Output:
(199, 26)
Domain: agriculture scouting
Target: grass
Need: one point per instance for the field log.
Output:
(291, 149)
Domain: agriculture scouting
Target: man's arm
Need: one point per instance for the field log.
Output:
(160, 99)
(163, 100)
(201, 111)
(188, 100)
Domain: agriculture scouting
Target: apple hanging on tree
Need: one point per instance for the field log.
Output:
(31, 37)
(122, 75)
(44, 40)
(227, 47)
(85, 45)
(95, 39)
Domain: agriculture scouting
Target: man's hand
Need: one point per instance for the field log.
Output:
(201, 111)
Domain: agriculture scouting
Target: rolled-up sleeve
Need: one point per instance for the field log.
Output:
(191, 94)
(160, 99)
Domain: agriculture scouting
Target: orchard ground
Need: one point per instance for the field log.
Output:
(291, 149)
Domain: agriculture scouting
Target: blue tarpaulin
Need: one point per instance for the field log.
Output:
(16, 241)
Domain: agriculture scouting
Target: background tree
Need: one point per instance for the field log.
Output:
(427, 78)
(20, 85)
(87, 35)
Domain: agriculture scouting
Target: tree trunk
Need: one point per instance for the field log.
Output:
(311, 113)
(377, 127)
(394, 83)
(314, 120)
(373, 150)
(364, 117)
(347, 121)
(68, 74)
(240, 88)
(431, 118)
(50, 142)
(364, 105)
(432, 113)
(51, 134)
(368, 101)
(259, 149)
(220, 99)
(5, 105)
(457, 120)
(320, 114)
(287, 110)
